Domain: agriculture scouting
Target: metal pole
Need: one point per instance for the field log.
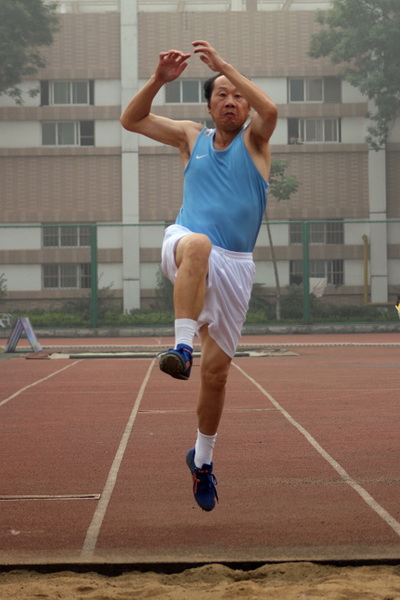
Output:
(93, 276)
(306, 275)
(365, 259)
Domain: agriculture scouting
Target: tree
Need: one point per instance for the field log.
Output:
(281, 188)
(25, 27)
(363, 36)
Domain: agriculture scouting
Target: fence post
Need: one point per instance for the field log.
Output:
(93, 276)
(306, 274)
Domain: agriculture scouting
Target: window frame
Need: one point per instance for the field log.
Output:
(332, 269)
(56, 133)
(306, 89)
(321, 124)
(63, 274)
(180, 84)
(332, 234)
(48, 92)
(326, 90)
(56, 232)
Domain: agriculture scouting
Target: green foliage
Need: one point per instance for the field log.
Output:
(323, 312)
(41, 318)
(260, 309)
(164, 293)
(110, 318)
(82, 306)
(363, 37)
(261, 312)
(25, 27)
(139, 318)
(3, 285)
(282, 186)
(292, 303)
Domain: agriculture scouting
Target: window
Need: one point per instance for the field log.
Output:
(333, 270)
(313, 130)
(85, 275)
(324, 232)
(66, 275)
(334, 232)
(66, 92)
(314, 89)
(50, 276)
(86, 133)
(66, 236)
(296, 233)
(184, 91)
(68, 133)
(305, 90)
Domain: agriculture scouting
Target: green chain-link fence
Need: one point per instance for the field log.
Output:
(109, 274)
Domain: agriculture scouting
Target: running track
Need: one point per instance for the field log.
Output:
(307, 457)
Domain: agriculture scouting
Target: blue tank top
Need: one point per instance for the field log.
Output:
(224, 194)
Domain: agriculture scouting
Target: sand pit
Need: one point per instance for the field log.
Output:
(284, 581)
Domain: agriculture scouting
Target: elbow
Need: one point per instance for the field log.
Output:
(132, 123)
(125, 122)
(272, 115)
(273, 112)
(269, 113)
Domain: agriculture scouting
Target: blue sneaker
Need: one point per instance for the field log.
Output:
(178, 362)
(204, 482)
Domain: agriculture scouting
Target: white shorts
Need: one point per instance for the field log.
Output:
(229, 284)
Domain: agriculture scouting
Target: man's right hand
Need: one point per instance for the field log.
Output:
(137, 116)
(171, 65)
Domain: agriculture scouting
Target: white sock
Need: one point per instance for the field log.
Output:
(204, 449)
(184, 331)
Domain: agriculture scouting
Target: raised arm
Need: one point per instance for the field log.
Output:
(138, 117)
(264, 120)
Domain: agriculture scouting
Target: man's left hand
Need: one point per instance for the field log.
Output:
(209, 55)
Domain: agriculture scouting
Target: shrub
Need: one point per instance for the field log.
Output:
(3, 285)
(164, 293)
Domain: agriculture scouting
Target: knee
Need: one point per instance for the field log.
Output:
(196, 250)
(214, 378)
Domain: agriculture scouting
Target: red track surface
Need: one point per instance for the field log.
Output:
(307, 457)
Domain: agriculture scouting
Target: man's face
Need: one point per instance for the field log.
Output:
(228, 108)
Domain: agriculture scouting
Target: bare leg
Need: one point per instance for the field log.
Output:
(191, 255)
(214, 366)
(214, 370)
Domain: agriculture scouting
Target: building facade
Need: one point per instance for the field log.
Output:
(72, 178)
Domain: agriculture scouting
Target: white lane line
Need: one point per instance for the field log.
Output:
(25, 497)
(27, 387)
(92, 534)
(368, 499)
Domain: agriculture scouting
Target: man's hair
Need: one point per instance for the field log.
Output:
(209, 86)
